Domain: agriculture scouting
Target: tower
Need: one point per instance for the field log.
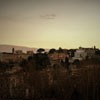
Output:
(13, 50)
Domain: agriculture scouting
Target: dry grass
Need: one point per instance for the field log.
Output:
(57, 84)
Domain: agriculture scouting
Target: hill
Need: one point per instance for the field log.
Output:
(8, 48)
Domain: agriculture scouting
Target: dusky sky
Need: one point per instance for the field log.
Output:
(50, 23)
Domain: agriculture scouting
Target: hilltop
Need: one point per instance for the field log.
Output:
(8, 48)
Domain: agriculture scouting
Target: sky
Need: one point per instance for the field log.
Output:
(50, 23)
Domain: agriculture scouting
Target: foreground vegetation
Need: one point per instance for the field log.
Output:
(80, 82)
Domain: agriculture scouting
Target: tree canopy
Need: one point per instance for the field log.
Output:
(52, 51)
(40, 50)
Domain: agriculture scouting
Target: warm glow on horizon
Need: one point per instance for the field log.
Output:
(50, 23)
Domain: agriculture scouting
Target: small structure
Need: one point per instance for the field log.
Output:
(9, 57)
(19, 51)
(80, 54)
(13, 50)
(58, 56)
(30, 52)
(83, 53)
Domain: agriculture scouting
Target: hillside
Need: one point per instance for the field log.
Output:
(8, 48)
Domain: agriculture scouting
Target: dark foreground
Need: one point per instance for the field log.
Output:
(81, 83)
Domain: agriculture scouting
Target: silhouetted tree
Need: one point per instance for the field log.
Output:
(51, 51)
(97, 52)
(40, 50)
(60, 50)
(41, 60)
(71, 52)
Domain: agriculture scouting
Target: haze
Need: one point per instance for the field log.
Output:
(50, 23)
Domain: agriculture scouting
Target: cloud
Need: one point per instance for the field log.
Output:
(48, 16)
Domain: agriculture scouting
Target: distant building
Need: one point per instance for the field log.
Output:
(19, 51)
(57, 56)
(83, 53)
(30, 52)
(9, 57)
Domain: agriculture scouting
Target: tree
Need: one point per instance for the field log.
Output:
(51, 51)
(71, 52)
(60, 50)
(41, 60)
(40, 50)
(97, 52)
